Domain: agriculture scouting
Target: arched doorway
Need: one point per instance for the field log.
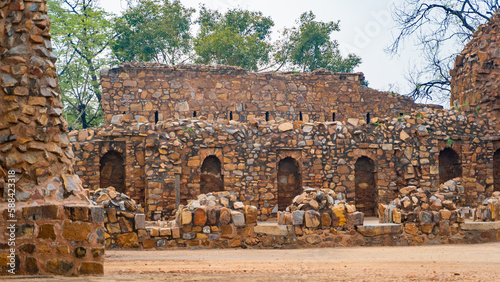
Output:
(496, 171)
(289, 182)
(365, 186)
(112, 170)
(449, 165)
(211, 179)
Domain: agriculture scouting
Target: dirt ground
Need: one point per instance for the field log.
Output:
(428, 263)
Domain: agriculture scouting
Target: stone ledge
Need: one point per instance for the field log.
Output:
(480, 226)
(275, 230)
(371, 230)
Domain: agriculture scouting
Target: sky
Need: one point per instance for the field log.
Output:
(367, 28)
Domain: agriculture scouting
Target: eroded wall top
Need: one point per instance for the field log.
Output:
(476, 76)
(158, 92)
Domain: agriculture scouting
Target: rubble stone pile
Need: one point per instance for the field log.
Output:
(110, 198)
(320, 208)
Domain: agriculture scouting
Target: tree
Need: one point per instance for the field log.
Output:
(441, 28)
(238, 38)
(81, 35)
(154, 30)
(309, 47)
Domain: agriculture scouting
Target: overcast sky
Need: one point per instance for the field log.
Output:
(366, 29)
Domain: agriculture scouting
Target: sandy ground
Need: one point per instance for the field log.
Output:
(428, 263)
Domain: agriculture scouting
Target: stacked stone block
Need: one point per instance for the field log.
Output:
(48, 225)
(476, 76)
(404, 150)
(152, 92)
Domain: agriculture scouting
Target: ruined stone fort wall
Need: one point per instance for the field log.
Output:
(404, 152)
(160, 92)
(476, 75)
(47, 224)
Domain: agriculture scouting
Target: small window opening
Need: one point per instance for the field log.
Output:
(195, 114)
(401, 114)
(300, 116)
(267, 116)
(231, 115)
(123, 112)
(333, 116)
(368, 119)
(156, 117)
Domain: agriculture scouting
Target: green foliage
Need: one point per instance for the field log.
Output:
(419, 115)
(238, 38)
(154, 30)
(449, 142)
(81, 35)
(309, 47)
(478, 110)
(377, 123)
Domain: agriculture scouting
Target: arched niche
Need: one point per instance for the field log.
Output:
(211, 178)
(449, 165)
(112, 171)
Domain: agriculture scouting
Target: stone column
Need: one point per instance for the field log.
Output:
(48, 225)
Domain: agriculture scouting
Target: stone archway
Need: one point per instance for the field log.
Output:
(112, 169)
(289, 182)
(496, 171)
(449, 165)
(365, 186)
(211, 178)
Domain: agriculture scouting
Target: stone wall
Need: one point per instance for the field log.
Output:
(158, 93)
(47, 225)
(219, 220)
(404, 151)
(476, 75)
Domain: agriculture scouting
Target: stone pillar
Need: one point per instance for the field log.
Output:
(48, 225)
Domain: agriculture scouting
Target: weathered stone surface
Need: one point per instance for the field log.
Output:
(238, 218)
(355, 218)
(371, 230)
(313, 240)
(251, 214)
(186, 217)
(46, 232)
(91, 268)
(127, 240)
(480, 226)
(60, 266)
(140, 221)
(411, 228)
(312, 219)
(274, 230)
(200, 216)
(77, 231)
(225, 216)
(298, 217)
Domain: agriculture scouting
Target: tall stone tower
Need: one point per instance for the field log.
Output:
(48, 225)
(476, 76)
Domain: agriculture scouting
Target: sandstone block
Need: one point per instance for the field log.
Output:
(128, 240)
(238, 218)
(200, 216)
(312, 219)
(91, 268)
(77, 231)
(251, 214)
(298, 217)
(371, 230)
